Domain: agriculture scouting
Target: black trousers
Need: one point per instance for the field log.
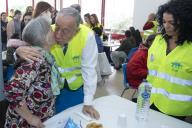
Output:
(3, 109)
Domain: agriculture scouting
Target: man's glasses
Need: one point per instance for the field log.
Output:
(64, 31)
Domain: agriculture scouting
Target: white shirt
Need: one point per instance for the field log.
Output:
(88, 65)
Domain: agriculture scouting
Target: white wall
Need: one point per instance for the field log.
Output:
(141, 10)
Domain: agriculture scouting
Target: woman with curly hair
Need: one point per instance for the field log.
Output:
(169, 61)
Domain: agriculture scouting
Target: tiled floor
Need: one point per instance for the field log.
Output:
(112, 85)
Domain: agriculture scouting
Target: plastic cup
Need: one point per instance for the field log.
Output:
(122, 121)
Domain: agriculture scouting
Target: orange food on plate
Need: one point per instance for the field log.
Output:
(94, 125)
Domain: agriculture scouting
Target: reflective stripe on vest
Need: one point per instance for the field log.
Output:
(73, 78)
(170, 78)
(148, 32)
(64, 70)
(177, 97)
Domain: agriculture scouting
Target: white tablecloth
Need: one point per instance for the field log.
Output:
(110, 107)
(111, 44)
(4, 53)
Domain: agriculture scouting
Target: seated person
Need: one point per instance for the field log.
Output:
(137, 65)
(29, 92)
(98, 33)
(150, 27)
(120, 54)
(135, 36)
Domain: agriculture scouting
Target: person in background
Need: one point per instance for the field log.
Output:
(78, 8)
(137, 65)
(11, 15)
(43, 9)
(75, 52)
(95, 22)
(120, 54)
(4, 31)
(136, 36)
(26, 18)
(87, 20)
(29, 9)
(150, 27)
(169, 60)
(53, 15)
(98, 33)
(14, 26)
(31, 100)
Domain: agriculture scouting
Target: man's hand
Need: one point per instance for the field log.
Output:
(88, 109)
(28, 53)
(35, 121)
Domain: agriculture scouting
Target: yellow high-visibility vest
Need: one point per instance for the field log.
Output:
(70, 63)
(171, 77)
(9, 18)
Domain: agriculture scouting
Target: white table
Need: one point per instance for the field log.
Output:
(113, 43)
(110, 107)
(110, 46)
(4, 53)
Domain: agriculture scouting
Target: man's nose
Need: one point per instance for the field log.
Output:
(58, 33)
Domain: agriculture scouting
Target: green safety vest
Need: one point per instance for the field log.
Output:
(69, 65)
(171, 77)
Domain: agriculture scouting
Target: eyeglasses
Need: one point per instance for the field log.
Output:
(64, 31)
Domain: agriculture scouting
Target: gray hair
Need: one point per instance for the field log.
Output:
(77, 7)
(35, 32)
(71, 12)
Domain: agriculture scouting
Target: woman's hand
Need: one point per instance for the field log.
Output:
(28, 53)
(35, 121)
(26, 114)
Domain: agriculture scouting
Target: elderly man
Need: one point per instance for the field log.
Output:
(76, 57)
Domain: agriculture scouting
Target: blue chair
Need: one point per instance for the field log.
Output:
(125, 81)
(130, 54)
(9, 73)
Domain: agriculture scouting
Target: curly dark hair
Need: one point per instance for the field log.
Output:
(182, 12)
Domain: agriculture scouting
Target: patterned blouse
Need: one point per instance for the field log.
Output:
(30, 83)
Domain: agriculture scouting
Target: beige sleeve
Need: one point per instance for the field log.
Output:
(10, 29)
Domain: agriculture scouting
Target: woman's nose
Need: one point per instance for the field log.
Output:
(166, 25)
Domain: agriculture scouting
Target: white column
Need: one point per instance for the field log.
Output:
(142, 8)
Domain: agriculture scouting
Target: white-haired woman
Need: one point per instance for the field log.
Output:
(29, 91)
